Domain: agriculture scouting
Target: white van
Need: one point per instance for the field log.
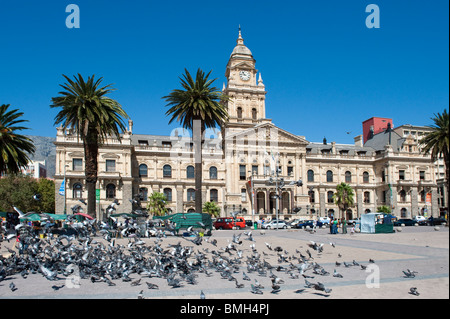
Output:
(325, 220)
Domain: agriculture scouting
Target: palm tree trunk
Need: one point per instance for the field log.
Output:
(91, 171)
(197, 132)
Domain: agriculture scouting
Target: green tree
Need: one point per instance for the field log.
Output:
(197, 106)
(344, 197)
(15, 148)
(19, 190)
(46, 190)
(157, 204)
(94, 117)
(437, 142)
(211, 208)
(384, 209)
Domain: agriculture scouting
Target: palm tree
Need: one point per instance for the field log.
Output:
(15, 148)
(212, 209)
(197, 106)
(344, 197)
(157, 204)
(437, 143)
(93, 116)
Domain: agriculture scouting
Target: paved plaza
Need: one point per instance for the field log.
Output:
(421, 249)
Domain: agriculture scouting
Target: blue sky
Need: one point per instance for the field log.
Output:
(325, 72)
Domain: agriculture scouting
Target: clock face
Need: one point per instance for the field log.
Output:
(245, 75)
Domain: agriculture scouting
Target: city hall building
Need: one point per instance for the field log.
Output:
(252, 166)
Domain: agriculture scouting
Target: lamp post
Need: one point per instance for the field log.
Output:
(252, 196)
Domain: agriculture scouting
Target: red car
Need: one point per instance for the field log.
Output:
(229, 223)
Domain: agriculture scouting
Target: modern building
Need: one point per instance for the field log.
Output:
(245, 161)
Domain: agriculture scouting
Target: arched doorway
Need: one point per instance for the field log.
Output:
(348, 214)
(260, 203)
(285, 203)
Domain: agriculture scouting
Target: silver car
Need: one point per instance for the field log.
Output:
(275, 224)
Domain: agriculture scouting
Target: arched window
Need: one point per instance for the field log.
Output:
(77, 190)
(254, 114)
(365, 177)
(168, 194)
(167, 171)
(213, 172)
(402, 195)
(312, 196)
(310, 175)
(329, 176)
(367, 197)
(143, 170)
(190, 172)
(422, 196)
(348, 177)
(110, 191)
(239, 112)
(143, 194)
(330, 197)
(191, 195)
(213, 195)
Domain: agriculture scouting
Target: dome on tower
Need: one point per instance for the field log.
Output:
(240, 48)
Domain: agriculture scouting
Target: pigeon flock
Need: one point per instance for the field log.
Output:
(96, 256)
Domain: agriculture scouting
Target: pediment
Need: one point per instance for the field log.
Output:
(242, 65)
(267, 132)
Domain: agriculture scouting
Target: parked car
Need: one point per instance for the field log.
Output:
(437, 221)
(309, 223)
(405, 221)
(229, 223)
(294, 222)
(325, 220)
(353, 222)
(421, 220)
(275, 224)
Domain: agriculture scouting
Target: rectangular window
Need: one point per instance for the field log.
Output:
(401, 175)
(110, 165)
(242, 173)
(77, 164)
(290, 171)
(422, 175)
(255, 169)
(243, 195)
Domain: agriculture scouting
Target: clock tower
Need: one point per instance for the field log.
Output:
(246, 106)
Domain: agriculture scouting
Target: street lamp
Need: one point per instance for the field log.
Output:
(252, 195)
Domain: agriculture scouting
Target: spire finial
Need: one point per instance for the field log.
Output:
(240, 40)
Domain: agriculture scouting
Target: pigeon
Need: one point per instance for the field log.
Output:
(268, 246)
(151, 285)
(238, 285)
(202, 295)
(136, 282)
(371, 260)
(258, 285)
(246, 277)
(336, 274)
(275, 288)
(56, 288)
(413, 291)
(355, 263)
(141, 295)
(363, 267)
(321, 287)
(256, 290)
(12, 286)
(409, 274)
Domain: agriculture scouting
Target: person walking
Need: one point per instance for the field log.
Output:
(344, 226)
